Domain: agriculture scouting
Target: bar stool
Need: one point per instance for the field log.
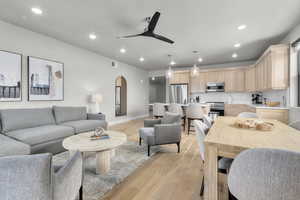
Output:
(158, 110)
(177, 109)
(194, 112)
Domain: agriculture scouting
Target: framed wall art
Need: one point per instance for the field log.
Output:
(45, 80)
(10, 76)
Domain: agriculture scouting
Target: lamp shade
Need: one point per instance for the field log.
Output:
(96, 98)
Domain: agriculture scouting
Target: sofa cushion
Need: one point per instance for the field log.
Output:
(10, 147)
(14, 119)
(65, 114)
(41, 134)
(85, 125)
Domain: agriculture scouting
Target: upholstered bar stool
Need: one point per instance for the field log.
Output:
(194, 112)
(158, 110)
(177, 109)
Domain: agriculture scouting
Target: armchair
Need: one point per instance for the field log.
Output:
(34, 177)
(161, 131)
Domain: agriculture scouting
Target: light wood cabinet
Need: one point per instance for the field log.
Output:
(235, 109)
(198, 83)
(216, 76)
(272, 69)
(250, 79)
(270, 72)
(235, 80)
(179, 78)
(278, 114)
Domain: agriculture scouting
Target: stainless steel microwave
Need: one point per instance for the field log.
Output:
(215, 87)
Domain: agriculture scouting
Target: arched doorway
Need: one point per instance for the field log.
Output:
(121, 96)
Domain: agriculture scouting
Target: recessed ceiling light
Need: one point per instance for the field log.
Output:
(36, 10)
(200, 59)
(237, 45)
(142, 59)
(153, 78)
(92, 36)
(172, 62)
(242, 27)
(234, 55)
(122, 50)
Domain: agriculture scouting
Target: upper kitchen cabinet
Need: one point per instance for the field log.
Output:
(250, 79)
(179, 77)
(216, 76)
(272, 69)
(235, 80)
(198, 82)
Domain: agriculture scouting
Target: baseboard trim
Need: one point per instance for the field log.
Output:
(127, 119)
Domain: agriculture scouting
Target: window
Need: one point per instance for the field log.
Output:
(298, 64)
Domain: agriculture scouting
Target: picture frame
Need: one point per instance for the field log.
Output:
(45, 79)
(10, 76)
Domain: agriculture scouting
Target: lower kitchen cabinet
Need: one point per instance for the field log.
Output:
(278, 114)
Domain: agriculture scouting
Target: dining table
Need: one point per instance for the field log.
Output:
(226, 140)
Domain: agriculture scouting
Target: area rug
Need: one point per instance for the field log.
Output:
(127, 159)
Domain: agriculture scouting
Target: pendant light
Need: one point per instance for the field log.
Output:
(195, 70)
(169, 72)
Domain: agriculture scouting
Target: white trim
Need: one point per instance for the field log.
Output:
(114, 122)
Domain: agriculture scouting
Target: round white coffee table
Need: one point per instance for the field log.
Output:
(103, 148)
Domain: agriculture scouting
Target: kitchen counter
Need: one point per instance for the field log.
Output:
(260, 106)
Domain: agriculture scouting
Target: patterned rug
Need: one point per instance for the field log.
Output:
(128, 158)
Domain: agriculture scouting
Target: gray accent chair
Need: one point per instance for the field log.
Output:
(295, 125)
(248, 115)
(34, 177)
(43, 129)
(161, 131)
(262, 174)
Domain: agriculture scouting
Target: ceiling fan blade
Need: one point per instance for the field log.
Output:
(159, 37)
(153, 21)
(130, 36)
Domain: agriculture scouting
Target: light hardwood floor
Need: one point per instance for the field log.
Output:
(166, 176)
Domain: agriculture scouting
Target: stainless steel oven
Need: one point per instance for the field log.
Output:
(215, 87)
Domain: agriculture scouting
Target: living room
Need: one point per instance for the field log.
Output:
(108, 100)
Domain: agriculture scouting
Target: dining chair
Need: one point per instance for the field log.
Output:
(207, 120)
(158, 110)
(194, 112)
(248, 115)
(265, 174)
(223, 163)
(295, 125)
(177, 109)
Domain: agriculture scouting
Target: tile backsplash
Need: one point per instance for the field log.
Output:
(241, 98)
(231, 98)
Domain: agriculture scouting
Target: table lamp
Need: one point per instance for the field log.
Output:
(96, 99)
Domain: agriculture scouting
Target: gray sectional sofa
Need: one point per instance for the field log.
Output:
(41, 130)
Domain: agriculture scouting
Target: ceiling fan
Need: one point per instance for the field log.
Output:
(149, 31)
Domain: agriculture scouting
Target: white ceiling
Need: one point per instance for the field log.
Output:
(208, 26)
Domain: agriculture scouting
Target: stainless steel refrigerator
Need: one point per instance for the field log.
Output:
(178, 93)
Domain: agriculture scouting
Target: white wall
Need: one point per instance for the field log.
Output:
(85, 73)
